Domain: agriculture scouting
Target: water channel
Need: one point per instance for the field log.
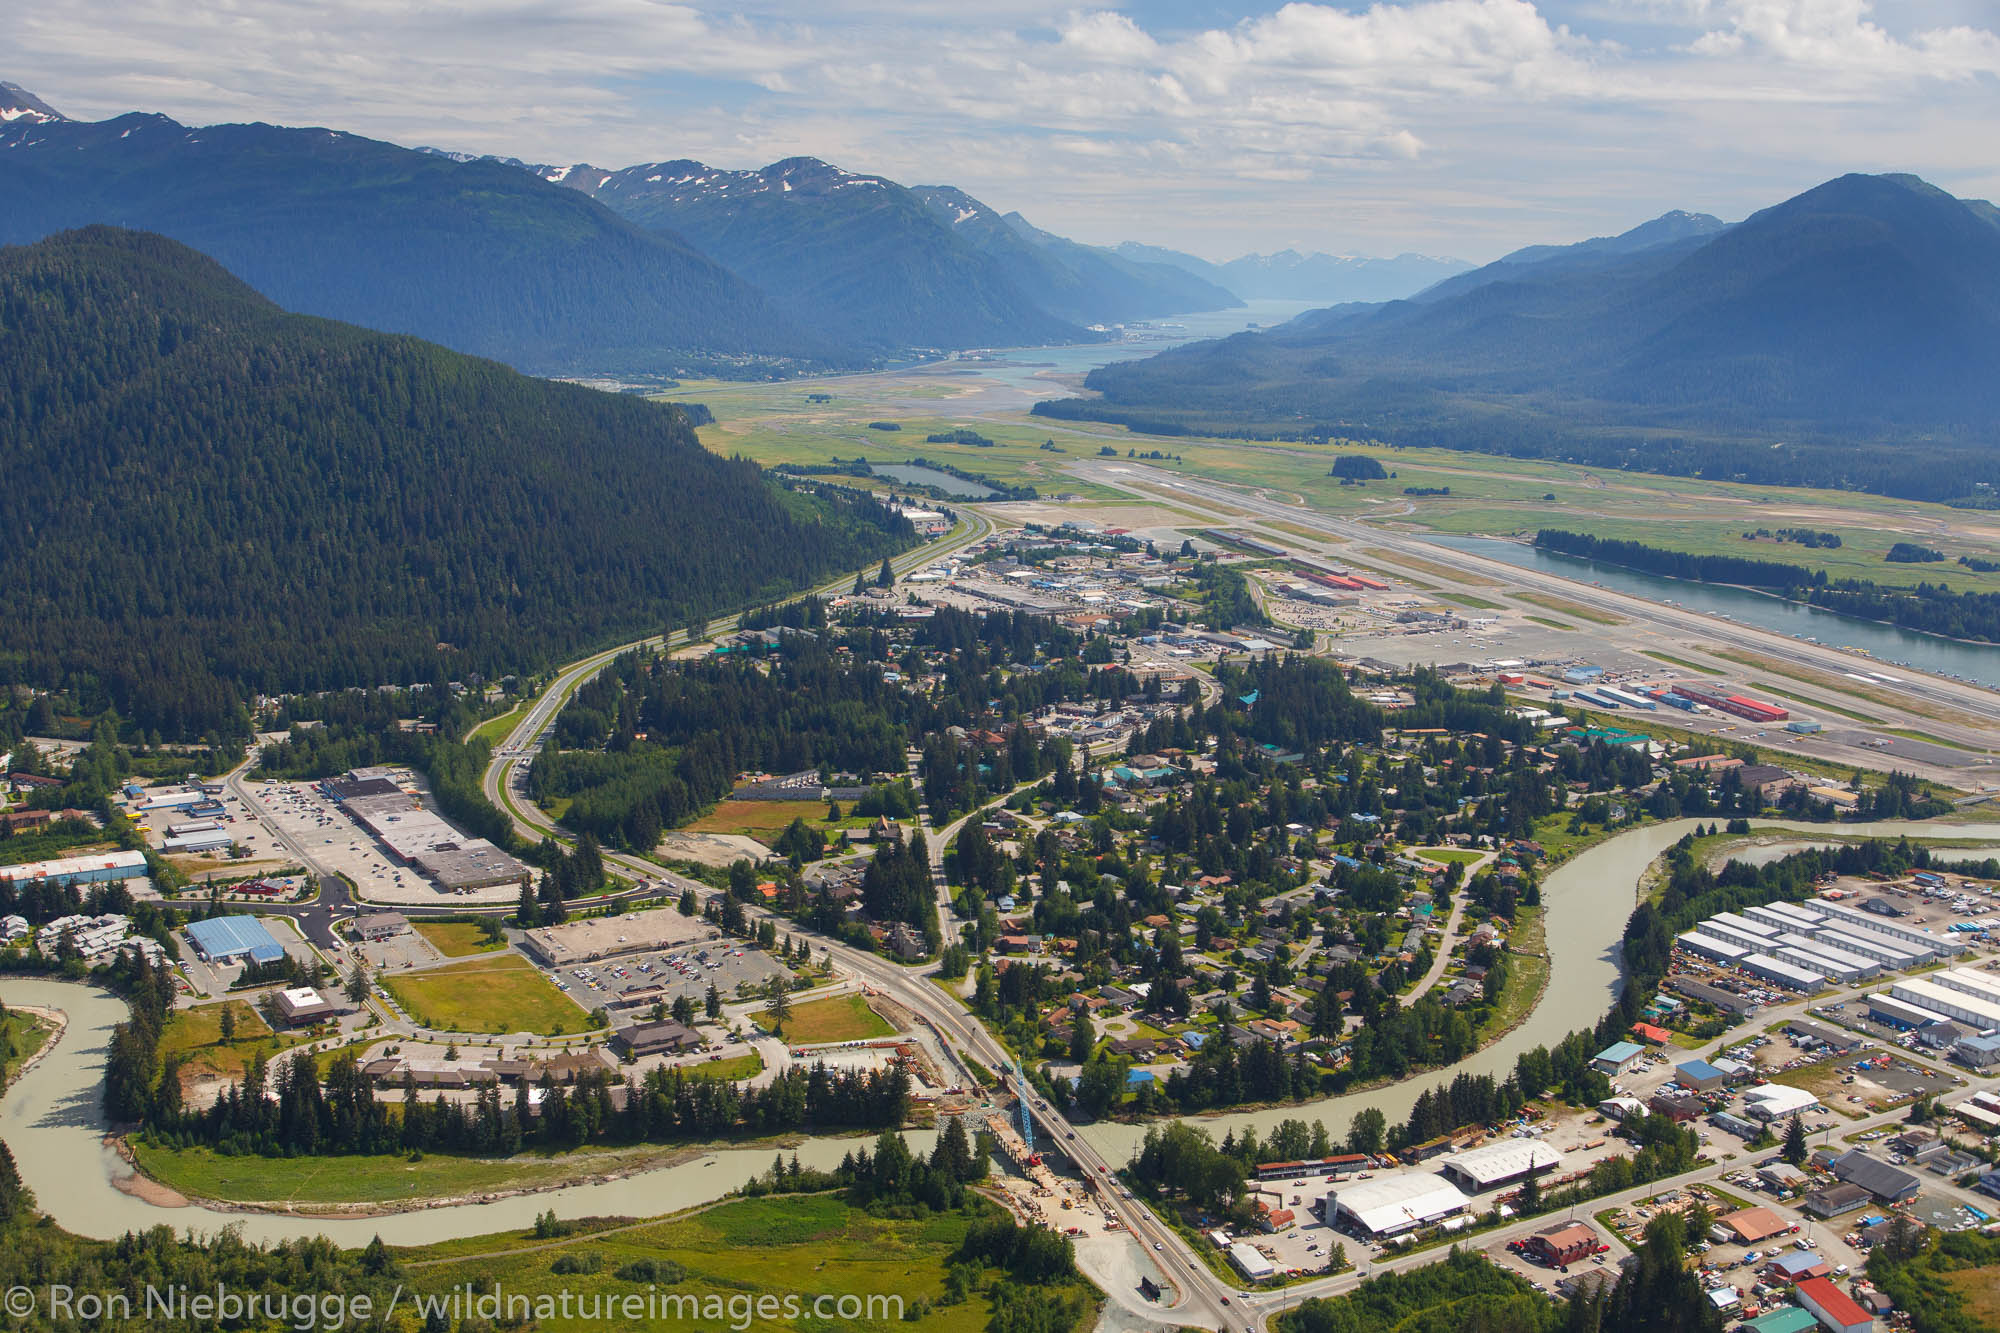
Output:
(53, 1121)
(1975, 662)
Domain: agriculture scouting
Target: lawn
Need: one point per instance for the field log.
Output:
(197, 1035)
(1567, 608)
(505, 993)
(788, 1246)
(837, 1018)
(729, 1069)
(494, 729)
(762, 820)
(457, 939)
(1451, 856)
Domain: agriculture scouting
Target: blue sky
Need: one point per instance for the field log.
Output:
(1459, 127)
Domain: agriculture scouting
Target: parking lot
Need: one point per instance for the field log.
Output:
(216, 978)
(342, 846)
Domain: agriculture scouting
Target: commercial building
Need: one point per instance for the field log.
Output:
(376, 926)
(1699, 1075)
(1839, 962)
(1797, 1266)
(1790, 1319)
(1775, 1101)
(1563, 1244)
(1711, 948)
(1889, 1184)
(1835, 1200)
(213, 840)
(1784, 916)
(1980, 1052)
(1748, 1226)
(421, 837)
(1728, 1001)
(96, 868)
(302, 1006)
(1983, 985)
(1393, 1204)
(1835, 1310)
(1868, 922)
(1966, 1008)
(1618, 1057)
(1249, 1262)
(229, 939)
(1894, 954)
(1781, 973)
(664, 1038)
(1886, 1008)
(1734, 929)
(1480, 1169)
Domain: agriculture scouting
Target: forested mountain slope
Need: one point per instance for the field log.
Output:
(207, 497)
(858, 258)
(1848, 336)
(476, 255)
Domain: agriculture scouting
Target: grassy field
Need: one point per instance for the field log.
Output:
(730, 1069)
(788, 1246)
(1978, 1292)
(762, 820)
(332, 1181)
(1527, 973)
(837, 1018)
(457, 939)
(1448, 855)
(1567, 608)
(499, 994)
(1822, 1079)
(494, 729)
(197, 1035)
(1546, 623)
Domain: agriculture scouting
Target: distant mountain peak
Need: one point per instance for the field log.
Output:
(18, 104)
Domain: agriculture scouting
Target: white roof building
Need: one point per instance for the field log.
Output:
(1393, 1204)
(1479, 1169)
(1775, 1101)
(1249, 1262)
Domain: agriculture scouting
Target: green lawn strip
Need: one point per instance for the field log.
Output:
(1680, 662)
(1792, 692)
(836, 1018)
(1527, 975)
(1447, 855)
(1563, 606)
(730, 1069)
(1467, 599)
(503, 993)
(457, 939)
(494, 729)
(1552, 624)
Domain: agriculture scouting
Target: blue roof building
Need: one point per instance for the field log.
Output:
(1699, 1075)
(228, 939)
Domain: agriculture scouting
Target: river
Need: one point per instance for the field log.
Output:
(1975, 662)
(53, 1120)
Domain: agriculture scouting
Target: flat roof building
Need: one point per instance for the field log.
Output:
(1249, 1262)
(1867, 921)
(1966, 1008)
(1391, 1205)
(1893, 954)
(592, 938)
(95, 868)
(1781, 973)
(1711, 948)
(302, 1005)
(228, 939)
(1477, 1170)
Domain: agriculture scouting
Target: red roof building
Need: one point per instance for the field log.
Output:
(1835, 1310)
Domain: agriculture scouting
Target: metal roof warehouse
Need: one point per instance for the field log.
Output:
(225, 938)
(1395, 1204)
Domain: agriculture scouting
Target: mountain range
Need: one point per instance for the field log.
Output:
(208, 497)
(1783, 348)
(1291, 276)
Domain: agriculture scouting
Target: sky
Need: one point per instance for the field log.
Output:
(1446, 127)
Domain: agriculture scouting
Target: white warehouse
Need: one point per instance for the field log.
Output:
(1480, 1169)
(1711, 948)
(1391, 1205)
(1781, 973)
(1928, 994)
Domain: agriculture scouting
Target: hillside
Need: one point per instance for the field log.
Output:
(1784, 349)
(474, 255)
(208, 497)
(1079, 283)
(1680, 229)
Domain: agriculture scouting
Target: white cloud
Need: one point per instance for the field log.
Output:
(1467, 125)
